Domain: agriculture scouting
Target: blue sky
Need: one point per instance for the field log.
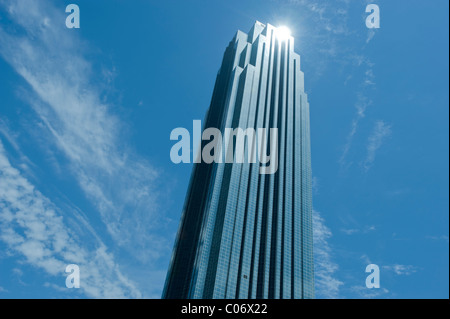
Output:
(86, 115)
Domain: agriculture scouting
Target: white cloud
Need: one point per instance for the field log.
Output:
(315, 185)
(326, 284)
(363, 102)
(369, 77)
(439, 238)
(370, 35)
(32, 226)
(350, 231)
(18, 272)
(380, 132)
(366, 259)
(364, 230)
(402, 270)
(361, 106)
(82, 126)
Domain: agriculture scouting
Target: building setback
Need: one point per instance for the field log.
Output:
(244, 234)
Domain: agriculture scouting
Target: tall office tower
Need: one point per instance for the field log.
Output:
(243, 233)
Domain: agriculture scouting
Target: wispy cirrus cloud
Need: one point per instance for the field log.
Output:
(74, 122)
(363, 102)
(439, 238)
(370, 35)
(82, 126)
(402, 270)
(361, 106)
(30, 224)
(364, 230)
(326, 284)
(380, 132)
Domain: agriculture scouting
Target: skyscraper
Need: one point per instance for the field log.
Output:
(244, 234)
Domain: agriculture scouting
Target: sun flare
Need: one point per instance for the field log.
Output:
(283, 33)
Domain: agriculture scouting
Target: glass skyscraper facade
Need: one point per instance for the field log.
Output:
(244, 234)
